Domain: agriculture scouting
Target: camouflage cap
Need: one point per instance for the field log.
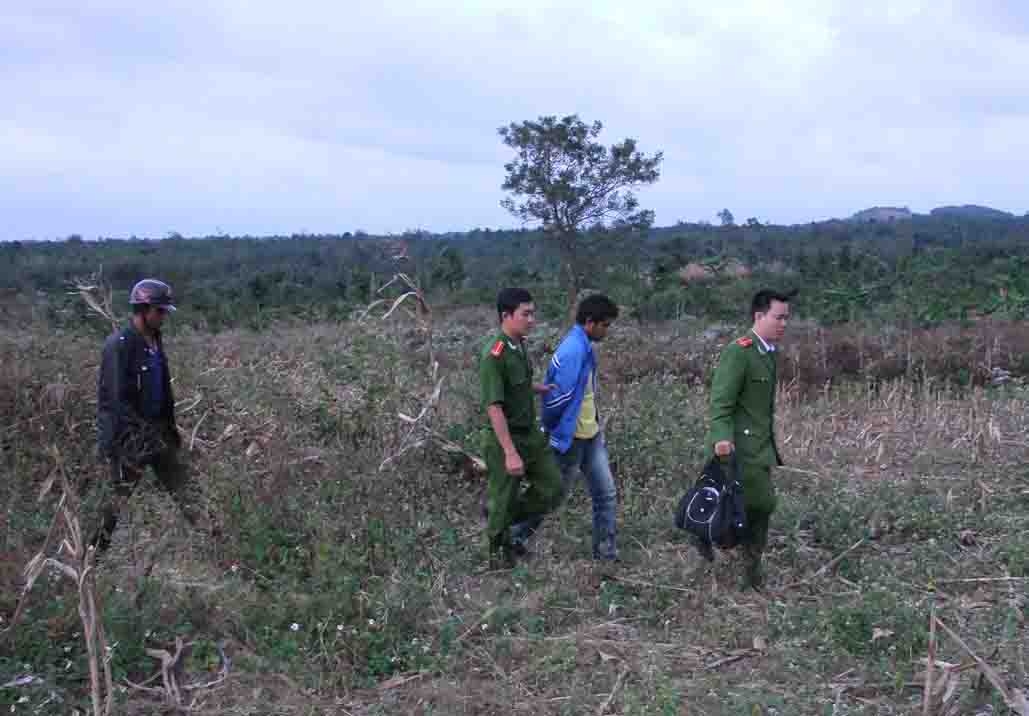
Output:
(151, 292)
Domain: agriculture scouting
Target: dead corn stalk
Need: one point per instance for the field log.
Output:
(419, 428)
(78, 565)
(935, 697)
(940, 696)
(420, 432)
(97, 294)
(422, 313)
(1014, 699)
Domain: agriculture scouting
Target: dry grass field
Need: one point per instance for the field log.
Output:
(349, 579)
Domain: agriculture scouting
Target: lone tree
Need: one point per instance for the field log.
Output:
(566, 180)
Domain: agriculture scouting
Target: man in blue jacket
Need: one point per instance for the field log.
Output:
(571, 418)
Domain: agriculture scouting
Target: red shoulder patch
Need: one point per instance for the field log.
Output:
(745, 341)
(497, 350)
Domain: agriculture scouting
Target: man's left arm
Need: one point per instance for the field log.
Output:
(563, 376)
(169, 397)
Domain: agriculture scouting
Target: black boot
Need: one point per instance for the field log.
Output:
(754, 577)
(705, 549)
(502, 558)
(500, 551)
(754, 548)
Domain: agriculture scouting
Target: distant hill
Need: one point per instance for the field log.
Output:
(882, 214)
(971, 211)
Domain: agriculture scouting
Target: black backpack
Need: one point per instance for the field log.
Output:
(713, 509)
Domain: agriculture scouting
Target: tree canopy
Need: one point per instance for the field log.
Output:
(566, 180)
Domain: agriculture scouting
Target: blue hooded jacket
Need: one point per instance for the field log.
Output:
(571, 366)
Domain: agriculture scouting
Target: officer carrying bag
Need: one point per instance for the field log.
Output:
(713, 509)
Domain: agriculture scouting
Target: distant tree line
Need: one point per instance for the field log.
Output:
(923, 270)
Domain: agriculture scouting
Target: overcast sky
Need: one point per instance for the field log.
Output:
(125, 117)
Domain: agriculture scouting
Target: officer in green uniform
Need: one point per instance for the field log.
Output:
(516, 450)
(742, 417)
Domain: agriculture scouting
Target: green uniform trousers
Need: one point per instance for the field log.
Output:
(508, 503)
(760, 500)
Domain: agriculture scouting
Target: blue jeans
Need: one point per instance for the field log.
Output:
(590, 458)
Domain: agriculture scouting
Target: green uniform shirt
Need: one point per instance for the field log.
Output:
(743, 403)
(505, 377)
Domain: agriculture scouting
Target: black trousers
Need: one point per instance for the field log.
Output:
(172, 474)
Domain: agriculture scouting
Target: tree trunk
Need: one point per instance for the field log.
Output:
(571, 273)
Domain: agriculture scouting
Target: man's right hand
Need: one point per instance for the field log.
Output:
(513, 464)
(723, 448)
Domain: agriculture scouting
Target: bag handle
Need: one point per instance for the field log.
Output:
(734, 468)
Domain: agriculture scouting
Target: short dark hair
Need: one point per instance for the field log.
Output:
(597, 308)
(762, 300)
(509, 299)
